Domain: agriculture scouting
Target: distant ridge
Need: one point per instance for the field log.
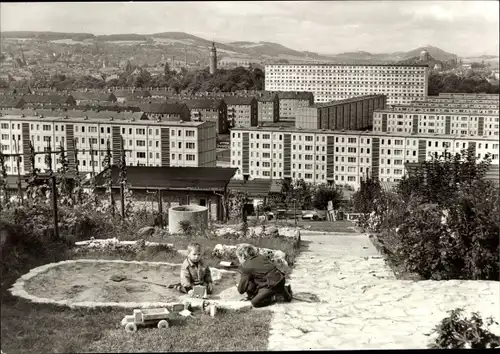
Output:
(246, 49)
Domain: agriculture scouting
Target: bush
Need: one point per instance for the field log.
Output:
(459, 332)
(460, 242)
(186, 227)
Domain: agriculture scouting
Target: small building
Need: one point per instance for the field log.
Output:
(268, 107)
(52, 100)
(8, 102)
(92, 97)
(166, 111)
(241, 111)
(211, 110)
(131, 95)
(204, 186)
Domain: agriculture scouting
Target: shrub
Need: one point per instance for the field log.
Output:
(459, 332)
(460, 242)
(186, 227)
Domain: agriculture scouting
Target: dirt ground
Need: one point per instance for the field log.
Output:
(78, 282)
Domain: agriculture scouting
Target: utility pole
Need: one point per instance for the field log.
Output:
(18, 165)
(294, 211)
(53, 184)
(160, 208)
(54, 206)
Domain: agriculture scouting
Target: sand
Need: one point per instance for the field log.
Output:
(79, 282)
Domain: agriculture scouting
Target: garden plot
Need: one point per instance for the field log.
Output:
(90, 281)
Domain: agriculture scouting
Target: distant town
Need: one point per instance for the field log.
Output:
(259, 114)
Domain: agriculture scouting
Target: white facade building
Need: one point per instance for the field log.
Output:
(328, 82)
(147, 142)
(324, 156)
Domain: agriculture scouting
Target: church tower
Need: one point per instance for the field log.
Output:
(213, 59)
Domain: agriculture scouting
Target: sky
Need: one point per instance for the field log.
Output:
(465, 28)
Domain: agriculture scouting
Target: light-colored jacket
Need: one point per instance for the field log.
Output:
(195, 274)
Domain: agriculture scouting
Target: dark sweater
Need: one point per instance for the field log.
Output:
(259, 272)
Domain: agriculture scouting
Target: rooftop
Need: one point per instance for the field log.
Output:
(347, 64)
(156, 107)
(103, 118)
(172, 178)
(236, 100)
(361, 133)
(257, 187)
(344, 101)
(202, 103)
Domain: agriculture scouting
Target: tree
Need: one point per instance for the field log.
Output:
(237, 201)
(364, 199)
(324, 193)
(108, 180)
(48, 158)
(440, 179)
(64, 186)
(3, 180)
(300, 192)
(77, 191)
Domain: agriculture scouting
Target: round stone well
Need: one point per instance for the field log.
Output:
(196, 215)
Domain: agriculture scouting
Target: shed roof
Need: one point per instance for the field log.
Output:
(258, 187)
(172, 178)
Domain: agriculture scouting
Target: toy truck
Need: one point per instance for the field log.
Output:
(199, 291)
(145, 317)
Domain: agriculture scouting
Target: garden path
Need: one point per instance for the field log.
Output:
(363, 306)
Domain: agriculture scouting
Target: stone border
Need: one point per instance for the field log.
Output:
(18, 290)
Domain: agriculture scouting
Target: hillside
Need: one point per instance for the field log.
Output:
(179, 42)
(435, 52)
(362, 56)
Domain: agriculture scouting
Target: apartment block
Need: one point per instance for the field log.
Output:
(290, 101)
(415, 120)
(268, 108)
(340, 157)
(476, 96)
(209, 110)
(401, 84)
(350, 114)
(451, 107)
(147, 142)
(241, 111)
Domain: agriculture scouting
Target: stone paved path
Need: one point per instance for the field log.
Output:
(362, 305)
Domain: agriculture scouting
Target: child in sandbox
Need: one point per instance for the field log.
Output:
(194, 272)
(260, 278)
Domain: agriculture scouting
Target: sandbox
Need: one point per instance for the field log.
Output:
(87, 283)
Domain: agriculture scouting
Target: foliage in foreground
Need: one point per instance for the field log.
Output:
(442, 222)
(459, 332)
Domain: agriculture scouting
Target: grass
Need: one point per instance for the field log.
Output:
(45, 328)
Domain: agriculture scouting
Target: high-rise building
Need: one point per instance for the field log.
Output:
(213, 59)
(401, 84)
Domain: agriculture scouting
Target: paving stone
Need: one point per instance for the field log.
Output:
(366, 306)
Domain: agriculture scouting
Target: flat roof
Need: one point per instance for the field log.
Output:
(347, 64)
(346, 100)
(104, 120)
(359, 132)
(388, 110)
(172, 178)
